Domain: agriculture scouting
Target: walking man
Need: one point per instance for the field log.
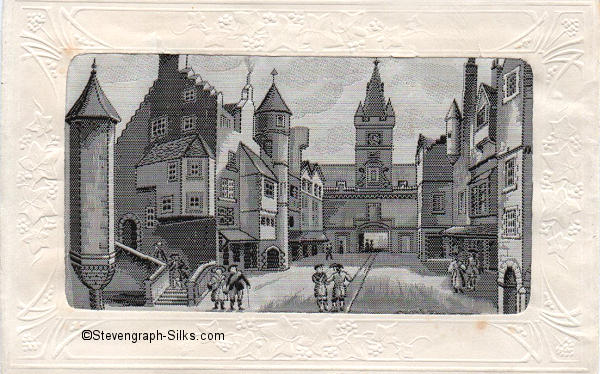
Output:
(456, 277)
(218, 287)
(340, 281)
(236, 283)
(472, 272)
(328, 251)
(319, 278)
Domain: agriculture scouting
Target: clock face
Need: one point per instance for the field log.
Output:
(374, 139)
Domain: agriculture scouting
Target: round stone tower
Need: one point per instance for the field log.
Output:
(92, 121)
(272, 121)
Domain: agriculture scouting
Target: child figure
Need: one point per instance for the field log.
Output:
(319, 278)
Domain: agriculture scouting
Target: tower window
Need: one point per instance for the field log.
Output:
(158, 127)
(280, 120)
(228, 189)
(510, 175)
(438, 203)
(150, 217)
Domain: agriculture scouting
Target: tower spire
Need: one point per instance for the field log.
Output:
(274, 73)
(374, 100)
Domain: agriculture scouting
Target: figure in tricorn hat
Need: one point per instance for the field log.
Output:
(218, 287)
(319, 278)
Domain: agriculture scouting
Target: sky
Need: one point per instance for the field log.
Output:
(322, 92)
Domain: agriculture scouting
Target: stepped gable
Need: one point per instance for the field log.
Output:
(93, 103)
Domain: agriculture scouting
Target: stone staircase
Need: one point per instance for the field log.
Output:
(173, 296)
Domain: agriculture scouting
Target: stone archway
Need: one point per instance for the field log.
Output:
(510, 284)
(130, 231)
(374, 232)
(272, 258)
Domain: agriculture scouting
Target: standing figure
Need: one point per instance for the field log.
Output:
(178, 271)
(340, 281)
(328, 251)
(472, 272)
(455, 275)
(218, 287)
(319, 278)
(159, 252)
(236, 283)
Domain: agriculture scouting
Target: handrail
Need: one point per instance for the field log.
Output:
(200, 269)
(161, 265)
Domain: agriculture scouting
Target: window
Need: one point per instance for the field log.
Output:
(462, 202)
(228, 189)
(402, 184)
(510, 175)
(437, 203)
(482, 117)
(194, 169)
(318, 191)
(479, 199)
(158, 127)
(225, 216)
(194, 201)
(293, 191)
(305, 185)
(268, 146)
(267, 221)
(510, 223)
(373, 174)
(280, 120)
(341, 185)
(188, 123)
(269, 189)
(511, 85)
(231, 160)
(225, 121)
(150, 217)
(173, 171)
(291, 221)
(374, 211)
(189, 95)
(167, 204)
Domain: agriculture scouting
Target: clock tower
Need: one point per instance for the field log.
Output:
(374, 122)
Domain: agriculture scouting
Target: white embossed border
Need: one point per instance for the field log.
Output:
(553, 334)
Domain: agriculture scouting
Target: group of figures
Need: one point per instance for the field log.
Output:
(463, 275)
(230, 286)
(340, 280)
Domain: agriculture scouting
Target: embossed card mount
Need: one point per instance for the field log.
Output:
(300, 186)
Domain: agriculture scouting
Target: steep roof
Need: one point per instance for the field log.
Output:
(489, 91)
(454, 111)
(187, 146)
(231, 108)
(273, 102)
(93, 103)
(261, 166)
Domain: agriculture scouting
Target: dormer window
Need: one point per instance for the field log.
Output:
(189, 95)
(158, 127)
(511, 85)
(188, 123)
(482, 116)
(280, 120)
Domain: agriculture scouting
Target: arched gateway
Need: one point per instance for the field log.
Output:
(374, 237)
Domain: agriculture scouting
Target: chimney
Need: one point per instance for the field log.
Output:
(469, 105)
(496, 73)
(168, 66)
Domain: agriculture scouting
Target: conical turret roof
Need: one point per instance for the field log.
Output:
(273, 102)
(93, 103)
(454, 111)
